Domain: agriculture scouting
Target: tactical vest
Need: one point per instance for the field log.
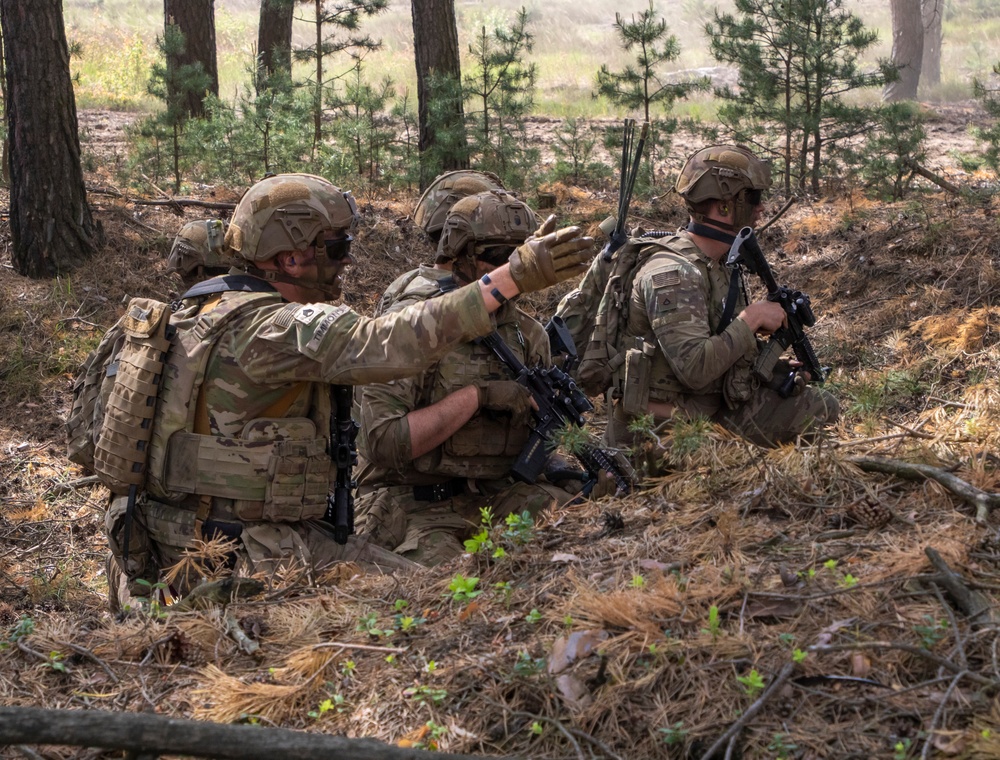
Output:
(487, 445)
(278, 469)
(641, 372)
(605, 347)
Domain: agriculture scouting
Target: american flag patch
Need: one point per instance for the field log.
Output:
(664, 279)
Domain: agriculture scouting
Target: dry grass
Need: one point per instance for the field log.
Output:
(908, 314)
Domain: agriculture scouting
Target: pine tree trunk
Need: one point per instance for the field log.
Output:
(196, 20)
(907, 49)
(930, 67)
(274, 38)
(435, 47)
(50, 221)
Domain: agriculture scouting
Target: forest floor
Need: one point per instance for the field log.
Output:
(795, 600)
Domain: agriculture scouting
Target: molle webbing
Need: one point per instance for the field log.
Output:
(122, 447)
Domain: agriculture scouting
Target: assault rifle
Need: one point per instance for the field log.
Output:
(344, 452)
(629, 172)
(560, 404)
(746, 252)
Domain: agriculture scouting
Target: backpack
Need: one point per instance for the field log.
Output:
(114, 396)
(599, 312)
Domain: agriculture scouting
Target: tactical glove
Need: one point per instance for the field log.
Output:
(507, 396)
(550, 256)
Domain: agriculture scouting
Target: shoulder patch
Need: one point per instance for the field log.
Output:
(306, 314)
(665, 279)
(314, 343)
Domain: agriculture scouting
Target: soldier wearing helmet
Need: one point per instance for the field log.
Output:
(193, 256)
(241, 446)
(438, 447)
(444, 192)
(685, 350)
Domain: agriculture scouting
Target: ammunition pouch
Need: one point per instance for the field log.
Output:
(279, 471)
(635, 387)
(140, 564)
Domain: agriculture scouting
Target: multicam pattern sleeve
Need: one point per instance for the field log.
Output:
(333, 344)
(684, 306)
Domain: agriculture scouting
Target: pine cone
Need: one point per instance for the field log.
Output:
(870, 513)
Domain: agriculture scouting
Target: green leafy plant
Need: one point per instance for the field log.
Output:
(713, 623)
(932, 632)
(527, 665)
(368, 623)
(150, 602)
(848, 581)
(901, 749)
(482, 542)
(423, 693)
(782, 746)
(520, 528)
(24, 627)
(337, 702)
(674, 734)
(407, 623)
(505, 590)
(534, 616)
(799, 656)
(463, 589)
(536, 728)
(638, 581)
(752, 683)
(55, 662)
(432, 737)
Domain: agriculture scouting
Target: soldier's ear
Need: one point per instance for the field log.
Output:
(285, 261)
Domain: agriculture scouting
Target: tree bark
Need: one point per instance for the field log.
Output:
(274, 39)
(51, 224)
(158, 735)
(435, 48)
(907, 49)
(196, 20)
(930, 67)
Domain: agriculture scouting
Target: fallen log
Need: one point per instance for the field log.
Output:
(975, 605)
(983, 501)
(151, 735)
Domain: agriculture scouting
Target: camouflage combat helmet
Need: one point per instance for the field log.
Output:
(193, 256)
(435, 203)
(288, 212)
(724, 172)
(487, 226)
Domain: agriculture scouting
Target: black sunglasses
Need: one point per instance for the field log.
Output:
(339, 249)
(754, 197)
(495, 255)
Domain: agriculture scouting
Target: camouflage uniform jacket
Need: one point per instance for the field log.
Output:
(254, 433)
(487, 445)
(675, 309)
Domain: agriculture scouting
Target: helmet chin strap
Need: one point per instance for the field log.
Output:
(697, 228)
(271, 275)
